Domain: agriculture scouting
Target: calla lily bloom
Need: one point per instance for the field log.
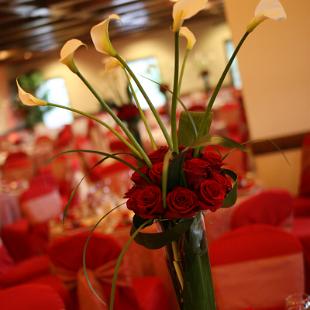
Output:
(67, 53)
(185, 9)
(100, 36)
(28, 99)
(111, 63)
(189, 36)
(272, 9)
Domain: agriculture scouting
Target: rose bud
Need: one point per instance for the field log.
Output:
(156, 172)
(213, 159)
(212, 194)
(158, 155)
(181, 203)
(196, 170)
(146, 202)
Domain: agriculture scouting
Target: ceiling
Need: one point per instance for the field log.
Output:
(30, 28)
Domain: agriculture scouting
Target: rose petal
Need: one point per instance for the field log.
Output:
(28, 99)
(100, 36)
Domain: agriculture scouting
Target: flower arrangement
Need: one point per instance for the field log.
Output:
(175, 183)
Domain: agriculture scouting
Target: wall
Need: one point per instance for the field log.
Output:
(208, 53)
(274, 65)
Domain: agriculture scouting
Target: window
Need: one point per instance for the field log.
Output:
(234, 70)
(147, 71)
(54, 91)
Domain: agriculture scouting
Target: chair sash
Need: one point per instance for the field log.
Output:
(87, 298)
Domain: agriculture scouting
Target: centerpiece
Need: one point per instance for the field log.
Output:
(174, 184)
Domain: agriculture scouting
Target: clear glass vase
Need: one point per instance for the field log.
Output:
(189, 267)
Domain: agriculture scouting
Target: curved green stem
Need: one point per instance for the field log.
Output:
(182, 69)
(149, 102)
(174, 100)
(130, 146)
(116, 119)
(142, 115)
(220, 83)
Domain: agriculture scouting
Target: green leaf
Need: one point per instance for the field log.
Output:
(217, 140)
(231, 197)
(137, 221)
(175, 170)
(164, 178)
(188, 131)
(158, 240)
(198, 291)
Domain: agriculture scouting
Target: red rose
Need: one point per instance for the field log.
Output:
(213, 159)
(146, 201)
(222, 179)
(137, 178)
(181, 202)
(128, 112)
(158, 155)
(196, 170)
(212, 194)
(156, 172)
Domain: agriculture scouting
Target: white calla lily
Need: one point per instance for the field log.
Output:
(189, 36)
(271, 9)
(28, 99)
(185, 9)
(100, 36)
(67, 53)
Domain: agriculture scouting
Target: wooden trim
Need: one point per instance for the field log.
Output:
(274, 144)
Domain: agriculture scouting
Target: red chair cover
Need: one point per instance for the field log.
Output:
(41, 201)
(273, 207)
(30, 297)
(17, 166)
(23, 240)
(66, 255)
(25, 271)
(257, 267)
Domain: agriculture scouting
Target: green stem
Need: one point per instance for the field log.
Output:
(116, 119)
(149, 102)
(142, 115)
(182, 69)
(220, 83)
(130, 146)
(174, 100)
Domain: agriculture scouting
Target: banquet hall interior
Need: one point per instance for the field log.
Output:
(60, 187)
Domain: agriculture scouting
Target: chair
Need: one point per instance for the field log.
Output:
(23, 240)
(139, 293)
(30, 297)
(17, 167)
(272, 207)
(41, 201)
(256, 267)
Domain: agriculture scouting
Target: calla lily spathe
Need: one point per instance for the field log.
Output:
(185, 9)
(189, 36)
(100, 36)
(67, 53)
(28, 99)
(111, 63)
(272, 9)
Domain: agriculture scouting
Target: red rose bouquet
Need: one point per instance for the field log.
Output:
(172, 185)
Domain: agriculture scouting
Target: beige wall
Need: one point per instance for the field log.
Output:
(274, 65)
(208, 53)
